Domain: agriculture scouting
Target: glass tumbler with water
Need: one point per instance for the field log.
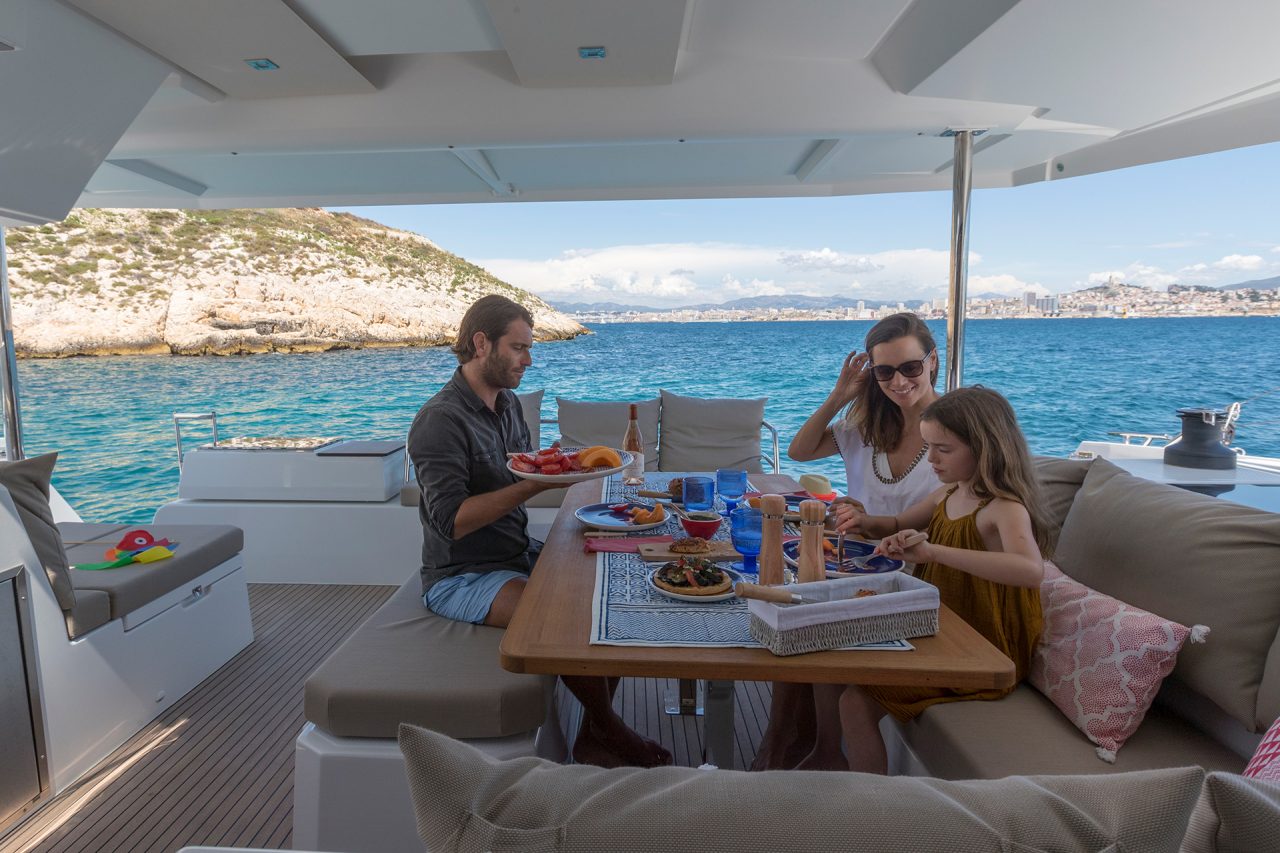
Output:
(699, 493)
(731, 483)
(745, 533)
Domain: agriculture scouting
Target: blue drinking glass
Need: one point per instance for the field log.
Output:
(731, 483)
(745, 533)
(699, 493)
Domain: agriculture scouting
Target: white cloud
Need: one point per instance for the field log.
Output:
(672, 274)
(1239, 262)
(1008, 285)
(1142, 275)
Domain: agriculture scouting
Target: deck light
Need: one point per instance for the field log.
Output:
(591, 53)
(262, 64)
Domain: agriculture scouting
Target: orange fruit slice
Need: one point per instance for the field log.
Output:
(599, 456)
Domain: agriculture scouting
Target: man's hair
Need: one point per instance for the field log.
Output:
(491, 315)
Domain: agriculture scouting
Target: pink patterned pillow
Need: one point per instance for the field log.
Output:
(1100, 660)
(1265, 763)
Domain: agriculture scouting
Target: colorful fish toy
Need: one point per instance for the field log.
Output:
(137, 546)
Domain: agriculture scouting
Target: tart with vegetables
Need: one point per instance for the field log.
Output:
(692, 576)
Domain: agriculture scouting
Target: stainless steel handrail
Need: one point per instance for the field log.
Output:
(179, 417)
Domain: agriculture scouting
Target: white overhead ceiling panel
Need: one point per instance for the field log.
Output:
(379, 27)
(542, 37)
(212, 40)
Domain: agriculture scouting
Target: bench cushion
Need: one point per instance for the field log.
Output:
(200, 548)
(92, 610)
(1059, 480)
(406, 664)
(465, 800)
(28, 483)
(1024, 733)
(705, 434)
(1233, 814)
(1195, 560)
(584, 423)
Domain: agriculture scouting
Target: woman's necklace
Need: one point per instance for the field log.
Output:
(889, 481)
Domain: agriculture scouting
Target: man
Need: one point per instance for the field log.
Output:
(476, 555)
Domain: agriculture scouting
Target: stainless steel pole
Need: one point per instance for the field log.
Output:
(8, 367)
(961, 184)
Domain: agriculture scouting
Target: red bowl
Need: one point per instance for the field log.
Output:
(705, 529)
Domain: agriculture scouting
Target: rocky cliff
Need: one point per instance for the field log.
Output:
(107, 282)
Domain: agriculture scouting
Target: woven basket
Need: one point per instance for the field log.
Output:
(833, 617)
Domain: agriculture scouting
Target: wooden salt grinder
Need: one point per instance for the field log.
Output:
(812, 563)
(772, 509)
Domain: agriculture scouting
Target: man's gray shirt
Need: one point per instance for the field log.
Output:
(459, 448)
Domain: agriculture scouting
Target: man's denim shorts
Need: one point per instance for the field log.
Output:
(468, 597)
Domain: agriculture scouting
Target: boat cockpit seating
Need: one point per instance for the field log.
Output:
(115, 648)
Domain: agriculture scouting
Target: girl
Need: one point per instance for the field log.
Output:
(987, 536)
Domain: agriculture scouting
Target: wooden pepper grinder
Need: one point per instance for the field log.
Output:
(772, 509)
(812, 563)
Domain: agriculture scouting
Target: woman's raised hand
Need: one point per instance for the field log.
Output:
(852, 379)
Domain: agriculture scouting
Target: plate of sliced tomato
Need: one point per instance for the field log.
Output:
(561, 465)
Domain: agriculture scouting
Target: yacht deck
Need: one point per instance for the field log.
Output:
(217, 767)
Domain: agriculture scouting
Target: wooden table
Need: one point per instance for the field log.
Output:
(550, 633)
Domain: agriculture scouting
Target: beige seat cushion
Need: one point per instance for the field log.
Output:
(1234, 814)
(406, 664)
(705, 434)
(466, 801)
(1195, 560)
(200, 548)
(92, 610)
(1024, 734)
(28, 483)
(531, 405)
(1059, 480)
(583, 423)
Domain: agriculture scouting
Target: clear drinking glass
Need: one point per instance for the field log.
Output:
(745, 533)
(699, 493)
(731, 483)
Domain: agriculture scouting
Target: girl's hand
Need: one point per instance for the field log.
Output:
(848, 514)
(893, 548)
(852, 379)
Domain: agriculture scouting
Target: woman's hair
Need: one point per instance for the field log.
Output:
(878, 419)
(489, 314)
(986, 423)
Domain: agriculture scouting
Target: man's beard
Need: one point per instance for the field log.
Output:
(498, 373)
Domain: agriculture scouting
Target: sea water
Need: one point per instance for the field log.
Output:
(1069, 380)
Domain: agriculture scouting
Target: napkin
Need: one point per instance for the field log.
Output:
(620, 544)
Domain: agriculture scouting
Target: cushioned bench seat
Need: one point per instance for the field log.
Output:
(1024, 734)
(201, 547)
(406, 664)
(91, 610)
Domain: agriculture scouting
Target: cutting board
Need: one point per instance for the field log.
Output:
(721, 549)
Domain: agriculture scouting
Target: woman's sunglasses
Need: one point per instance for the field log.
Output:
(909, 369)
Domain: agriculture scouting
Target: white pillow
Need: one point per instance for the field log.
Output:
(585, 423)
(703, 435)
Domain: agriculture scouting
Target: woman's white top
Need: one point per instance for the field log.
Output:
(880, 498)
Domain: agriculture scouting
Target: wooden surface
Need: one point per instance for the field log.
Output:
(551, 629)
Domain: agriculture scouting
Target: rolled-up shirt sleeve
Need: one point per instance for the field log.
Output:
(439, 449)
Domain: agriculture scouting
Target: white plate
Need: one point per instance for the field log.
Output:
(576, 477)
(697, 599)
(600, 517)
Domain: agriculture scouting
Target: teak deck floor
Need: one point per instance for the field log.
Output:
(217, 767)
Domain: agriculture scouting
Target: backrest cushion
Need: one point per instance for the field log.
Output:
(705, 434)
(1234, 814)
(1101, 661)
(28, 483)
(466, 800)
(586, 423)
(1059, 480)
(531, 405)
(1192, 559)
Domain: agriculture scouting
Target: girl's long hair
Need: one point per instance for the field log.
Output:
(984, 420)
(878, 419)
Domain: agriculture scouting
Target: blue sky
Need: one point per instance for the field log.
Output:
(1202, 220)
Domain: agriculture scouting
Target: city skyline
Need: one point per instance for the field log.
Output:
(1197, 221)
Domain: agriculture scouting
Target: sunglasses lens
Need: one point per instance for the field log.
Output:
(911, 369)
(882, 372)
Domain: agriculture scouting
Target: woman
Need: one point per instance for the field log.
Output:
(885, 390)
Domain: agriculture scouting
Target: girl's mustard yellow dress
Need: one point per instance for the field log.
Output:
(1008, 616)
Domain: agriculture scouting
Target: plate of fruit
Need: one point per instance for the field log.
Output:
(565, 465)
(628, 515)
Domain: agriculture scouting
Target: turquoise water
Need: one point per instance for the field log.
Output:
(1069, 380)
